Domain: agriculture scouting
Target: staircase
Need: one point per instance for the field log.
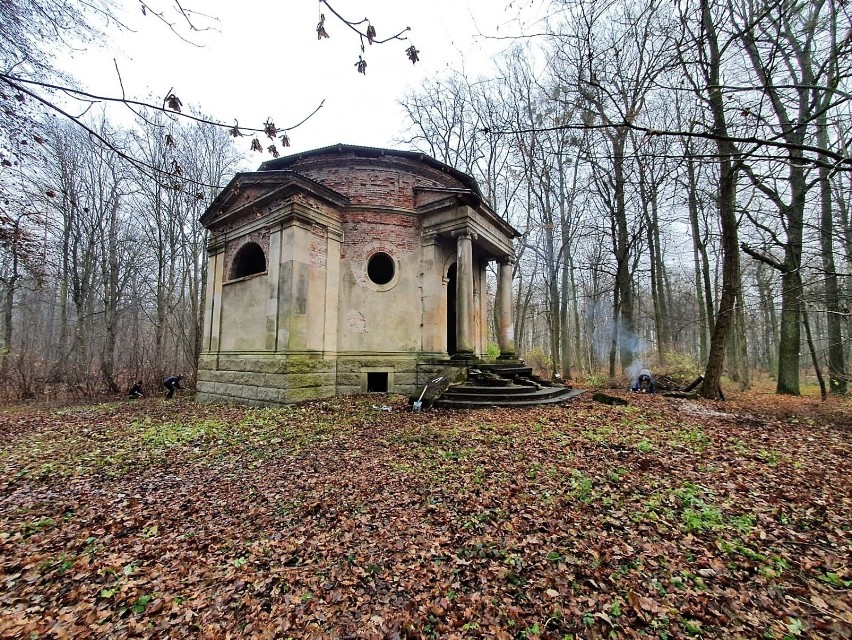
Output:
(503, 385)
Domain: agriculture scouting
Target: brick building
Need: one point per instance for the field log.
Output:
(348, 269)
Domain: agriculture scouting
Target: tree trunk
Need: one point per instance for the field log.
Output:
(770, 317)
(665, 333)
(575, 314)
(843, 206)
(656, 285)
(836, 356)
(711, 387)
(613, 345)
(790, 340)
(699, 258)
(742, 340)
(6, 347)
(814, 358)
(624, 331)
(565, 334)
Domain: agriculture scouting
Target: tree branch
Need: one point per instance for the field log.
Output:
(15, 81)
(764, 258)
(839, 161)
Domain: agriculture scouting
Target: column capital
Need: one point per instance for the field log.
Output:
(507, 260)
(428, 238)
(465, 233)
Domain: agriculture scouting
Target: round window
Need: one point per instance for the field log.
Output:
(381, 268)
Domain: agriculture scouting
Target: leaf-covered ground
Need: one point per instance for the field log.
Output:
(666, 518)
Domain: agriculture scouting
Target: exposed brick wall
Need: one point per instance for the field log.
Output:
(318, 248)
(368, 232)
(387, 181)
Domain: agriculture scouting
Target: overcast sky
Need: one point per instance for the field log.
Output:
(265, 61)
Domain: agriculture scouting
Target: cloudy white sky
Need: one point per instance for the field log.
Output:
(265, 61)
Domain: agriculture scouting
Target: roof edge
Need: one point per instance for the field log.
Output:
(373, 152)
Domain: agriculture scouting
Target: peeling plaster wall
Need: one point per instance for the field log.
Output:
(379, 318)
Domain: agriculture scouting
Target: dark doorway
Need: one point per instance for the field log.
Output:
(377, 381)
(451, 309)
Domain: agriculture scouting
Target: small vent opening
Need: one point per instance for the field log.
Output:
(377, 382)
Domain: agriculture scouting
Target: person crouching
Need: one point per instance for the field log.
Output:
(135, 391)
(171, 383)
(644, 382)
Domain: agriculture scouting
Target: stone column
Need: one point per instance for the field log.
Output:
(213, 303)
(434, 292)
(464, 294)
(505, 319)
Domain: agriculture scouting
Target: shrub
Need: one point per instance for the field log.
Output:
(492, 351)
(597, 380)
(681, 367)
(540, 363)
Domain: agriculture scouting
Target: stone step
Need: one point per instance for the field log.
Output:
(551, 395)
(515, 393)
(506, 370)
(465, 389)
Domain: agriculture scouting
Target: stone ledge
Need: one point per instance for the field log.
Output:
(354, 365)
(265, 363)
(271, 380)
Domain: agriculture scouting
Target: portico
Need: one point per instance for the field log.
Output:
(474, 236)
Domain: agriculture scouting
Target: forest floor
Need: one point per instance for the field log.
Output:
(666, 518)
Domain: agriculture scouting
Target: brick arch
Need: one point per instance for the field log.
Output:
(260, 238)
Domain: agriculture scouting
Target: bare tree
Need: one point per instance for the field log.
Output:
(797, 58)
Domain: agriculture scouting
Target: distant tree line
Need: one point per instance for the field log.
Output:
(680, 172)
(103, 266)
(681, 176)
(102, 258)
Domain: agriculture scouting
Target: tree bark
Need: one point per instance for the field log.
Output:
(836, 357)
(726, 203)
(814, 358)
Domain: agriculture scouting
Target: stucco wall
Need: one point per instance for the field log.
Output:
(379, 318)
(244, 314)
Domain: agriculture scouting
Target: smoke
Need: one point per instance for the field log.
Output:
(602, 326)
(599, 321)
(634, 368)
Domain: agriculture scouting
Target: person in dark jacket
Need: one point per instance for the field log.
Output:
(644, 382)
(171, 383)
(135, 391)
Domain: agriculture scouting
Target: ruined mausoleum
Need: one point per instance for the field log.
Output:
(348, 269)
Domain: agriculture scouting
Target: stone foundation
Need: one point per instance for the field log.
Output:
(264, 380)
(260, 380)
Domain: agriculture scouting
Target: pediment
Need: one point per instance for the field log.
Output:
(257, 194)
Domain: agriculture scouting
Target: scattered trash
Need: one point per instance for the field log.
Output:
(384, 407)
(418, 404)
